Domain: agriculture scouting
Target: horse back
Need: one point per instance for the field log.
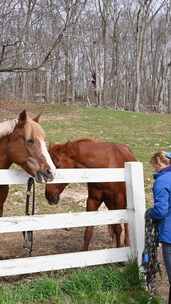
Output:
(94, 154)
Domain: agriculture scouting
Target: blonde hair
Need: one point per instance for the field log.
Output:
(159, 157)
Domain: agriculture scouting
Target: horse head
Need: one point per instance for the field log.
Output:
(61, 159)
(27, 148)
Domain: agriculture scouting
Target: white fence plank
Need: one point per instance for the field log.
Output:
(61, 220)
(63, 261)
(135, 202)
(13, 177)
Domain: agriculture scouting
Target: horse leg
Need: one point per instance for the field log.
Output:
(118, 202)
(121, 204)
(92, 205)
(126, 240)
(115, 230)
(3, 195)
(118, 231)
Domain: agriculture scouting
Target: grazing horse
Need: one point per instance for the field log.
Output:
(22, 141)
(87, 153)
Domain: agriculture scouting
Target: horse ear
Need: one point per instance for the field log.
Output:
(22, 118)
(37, 118)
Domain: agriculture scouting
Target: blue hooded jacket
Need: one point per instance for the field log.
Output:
(162, 204)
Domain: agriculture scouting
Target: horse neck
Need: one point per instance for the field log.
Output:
(85, 154)
(5, 161)
(72, 153)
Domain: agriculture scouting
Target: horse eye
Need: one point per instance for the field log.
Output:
(30, 141)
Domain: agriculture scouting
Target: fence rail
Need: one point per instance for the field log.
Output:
(14, 177)
(63, 261)
(132, 174)
(62, 220)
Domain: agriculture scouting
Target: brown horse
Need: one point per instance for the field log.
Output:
(87, 153)
(22, 141)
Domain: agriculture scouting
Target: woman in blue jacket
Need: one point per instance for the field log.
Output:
(162, 206)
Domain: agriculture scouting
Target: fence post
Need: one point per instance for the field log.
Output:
(134, 179)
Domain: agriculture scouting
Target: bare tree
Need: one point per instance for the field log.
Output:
(145, 15)
(114, 52)
(14, 49)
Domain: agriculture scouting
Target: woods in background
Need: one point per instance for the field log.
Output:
(100, 52)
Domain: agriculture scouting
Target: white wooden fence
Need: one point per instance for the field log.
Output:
(132, 174)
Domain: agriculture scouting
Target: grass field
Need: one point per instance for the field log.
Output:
(145, 133)
(98, 285)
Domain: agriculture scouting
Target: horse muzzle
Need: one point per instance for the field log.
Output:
(52, 199)
(44, 176)
(41, 174)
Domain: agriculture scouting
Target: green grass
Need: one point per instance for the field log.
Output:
(37, 291)
(98, 285)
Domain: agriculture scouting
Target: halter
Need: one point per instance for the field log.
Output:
(150, 261)
(28, 235)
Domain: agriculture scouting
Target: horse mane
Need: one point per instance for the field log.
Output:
(79, 141)
(70, 148)
(84, 140)
(32, 128)
(7, 127)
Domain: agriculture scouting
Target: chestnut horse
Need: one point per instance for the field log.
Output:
(22, 141)
(87, 153)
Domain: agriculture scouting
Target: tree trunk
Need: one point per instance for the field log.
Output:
(169, 60)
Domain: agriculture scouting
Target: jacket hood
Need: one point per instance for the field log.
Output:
(161, 172)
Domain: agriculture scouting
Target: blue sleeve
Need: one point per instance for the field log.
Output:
(161, 195)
